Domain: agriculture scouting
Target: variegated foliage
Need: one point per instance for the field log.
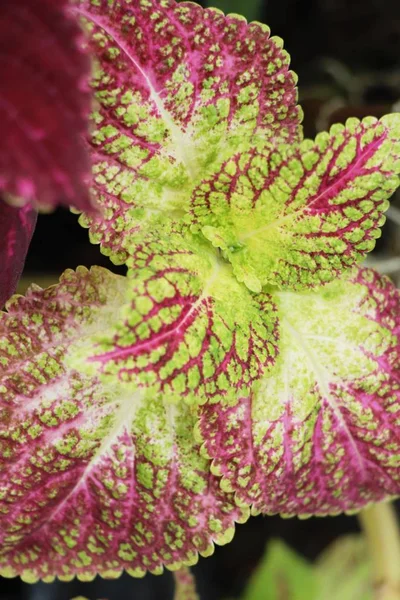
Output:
(245, 360)
(94, 478)
(319, 434)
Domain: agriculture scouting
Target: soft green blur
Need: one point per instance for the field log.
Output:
(342, 573)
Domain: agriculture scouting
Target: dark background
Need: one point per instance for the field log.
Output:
(347, 54)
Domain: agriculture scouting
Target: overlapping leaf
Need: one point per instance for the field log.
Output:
(190, 329)
(16, 229)
(175, 86)
(93, 479)
(44, 104)
(300, 215)
(320, 434)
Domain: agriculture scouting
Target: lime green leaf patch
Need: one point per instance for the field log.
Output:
(297, 216)
(190, 329)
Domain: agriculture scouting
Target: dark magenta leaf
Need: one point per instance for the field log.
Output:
(44, 104)
(16, 229)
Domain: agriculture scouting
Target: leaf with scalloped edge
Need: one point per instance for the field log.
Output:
(320, 434)
(189, 329)
(93, 479)
(175, 85)
(299, 215)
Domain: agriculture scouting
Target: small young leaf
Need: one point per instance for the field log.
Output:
(176, 85)
(190, 329)
(16, 229)
(319, 434)
(93, 479)
(282, 574)
(343, 571)
(44, 104)
(299, 215)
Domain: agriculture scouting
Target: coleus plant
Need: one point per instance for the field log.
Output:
(245, 363)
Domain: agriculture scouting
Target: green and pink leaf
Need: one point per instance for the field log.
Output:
(189, 329)
(93, 479)
(320, 433)
(176, 85)
(298, 216)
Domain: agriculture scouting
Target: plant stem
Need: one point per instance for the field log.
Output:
(381, 529)
(185, 585)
